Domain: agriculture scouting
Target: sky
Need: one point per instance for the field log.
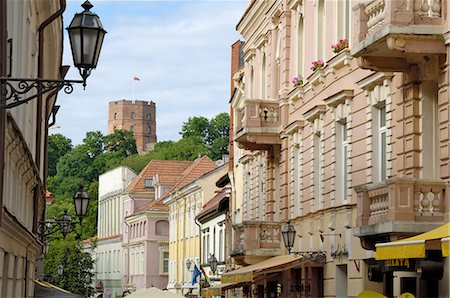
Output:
(180, 51)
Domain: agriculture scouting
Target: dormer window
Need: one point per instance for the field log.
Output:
(148, 183)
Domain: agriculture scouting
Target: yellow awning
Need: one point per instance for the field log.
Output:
(413, 247)
(445, 242)
(247, 273)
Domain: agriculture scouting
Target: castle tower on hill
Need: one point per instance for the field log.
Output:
(136, 116)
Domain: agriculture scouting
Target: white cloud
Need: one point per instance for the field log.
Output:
(181, 57)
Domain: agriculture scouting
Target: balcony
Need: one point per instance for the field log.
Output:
(392, 34)
(399, 207)
(258, 124)
(255, 241)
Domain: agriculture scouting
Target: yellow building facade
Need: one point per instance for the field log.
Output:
(185, 202)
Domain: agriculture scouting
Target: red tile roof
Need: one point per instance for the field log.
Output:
(200, 167)
(169, 172)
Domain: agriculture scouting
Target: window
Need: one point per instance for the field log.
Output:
(165, 262)
(252, 74)
(133, 116)
(132, 128)
(343, 19)
(221, 245)
(300, 43)
(115, 116)
(320, 25)
(148, 183)
(263, 76)
(317, 171)
(149, 116)
(382, 143)
(341, 159)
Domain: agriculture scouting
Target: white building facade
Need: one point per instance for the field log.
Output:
(108, 252)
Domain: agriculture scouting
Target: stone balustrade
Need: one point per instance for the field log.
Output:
(401, 200)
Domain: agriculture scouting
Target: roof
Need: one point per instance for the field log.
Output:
(169, 172)
(212, 205)
(200, 167)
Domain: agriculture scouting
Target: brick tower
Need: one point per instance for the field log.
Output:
(136, 116)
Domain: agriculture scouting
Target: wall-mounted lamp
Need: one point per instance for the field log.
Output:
(65, 224)
(288, 232)
(86, 36)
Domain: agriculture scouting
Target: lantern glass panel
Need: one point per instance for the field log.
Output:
(89, 42)
(75, 43)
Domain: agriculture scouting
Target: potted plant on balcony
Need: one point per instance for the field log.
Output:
(297, 81)
(341, 45)
(317, 65)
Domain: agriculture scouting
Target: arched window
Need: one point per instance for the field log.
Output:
(149, 116)
(162, 228)
(132, 128)
(133, 115)
(115, 116)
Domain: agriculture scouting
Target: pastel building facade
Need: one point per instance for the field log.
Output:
(23, 138)
(185, 201)
(145, 242)
(108, 252)
(341, 155)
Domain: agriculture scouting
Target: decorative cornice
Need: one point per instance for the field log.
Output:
(376, 78)
(338, 98)
(294, 126)
(314, 113)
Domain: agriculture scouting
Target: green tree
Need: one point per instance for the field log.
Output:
(58, 146)
(122, 142)
(77, 267)
(195, 127)
(212, 134)
(218, 136)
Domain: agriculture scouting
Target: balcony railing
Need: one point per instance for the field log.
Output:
(401, 200)
(257, 238)
(396, 28)
(258, 124)
(395, 12)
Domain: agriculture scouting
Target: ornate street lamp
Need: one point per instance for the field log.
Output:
(65, 224)
(213, 263)
(188, 264)
(60, 269)
(81, 202)
(86, 36)
(288, 233)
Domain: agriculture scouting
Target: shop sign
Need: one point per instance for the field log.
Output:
(400, 265)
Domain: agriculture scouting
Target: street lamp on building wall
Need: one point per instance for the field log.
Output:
(86, 36)
(65, 224)
(212, 261)
(288, 232)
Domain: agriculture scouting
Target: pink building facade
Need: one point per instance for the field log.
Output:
(145, 240)
(353, 155)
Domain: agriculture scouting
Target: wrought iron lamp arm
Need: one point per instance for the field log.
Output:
(14, 90)
(315, 256)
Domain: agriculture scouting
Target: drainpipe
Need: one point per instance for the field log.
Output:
(44, 24)
(3, 61)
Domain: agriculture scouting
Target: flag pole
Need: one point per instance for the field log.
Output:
(132, 99)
